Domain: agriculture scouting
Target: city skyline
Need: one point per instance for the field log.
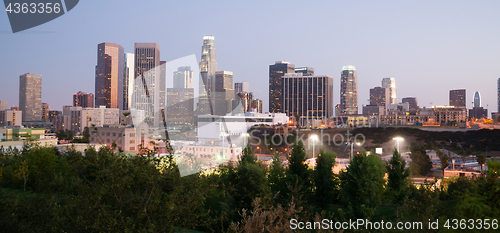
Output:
(428, 50)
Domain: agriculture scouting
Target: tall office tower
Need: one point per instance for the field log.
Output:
(310, 97)
(306, 71)
(257, 105)
(128, 82)
(477, 99)
(82, 99)
(183, 77)
(379, 96)
(348, 90)
(224, 93)
(412, 103)
(109, 75)
(4, 105)
(276, 72)
(457, 98)
(180, 110)
(390, 83)
(45, 111)
(242, 87)
(208, 66)
(246, 100)
(147, 83)
(30, 96)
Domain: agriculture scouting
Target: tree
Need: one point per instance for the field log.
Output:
(297, 165)
(61, 134)
(324, 178)
(397, 185)
(276, 180)
(250, 180)
(421, 163)
(481, 160)
(363, 185)
(443, 157)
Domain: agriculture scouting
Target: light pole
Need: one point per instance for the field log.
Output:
(352, 148)
(313, 137)
(398, 139)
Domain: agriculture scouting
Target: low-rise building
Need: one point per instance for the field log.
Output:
(10, 117)
(122, 137)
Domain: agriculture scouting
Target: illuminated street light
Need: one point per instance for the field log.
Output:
(313, 137)
(398, 139)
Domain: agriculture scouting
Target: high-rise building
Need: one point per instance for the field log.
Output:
(45, 111)
(224, 93)
(306, 71)
(257, 105)
(4, 105)
(148, 90)
(242, 87)
(109, 75)
(412, 102)
(30, 96)
(246, 100)
(208, 66)
(379, 96)
(457, 98)
(128, 82)
(180, 106)
(390, 84)
(310, 97)
(348, 90)
(498, 95)
(84, 100)
(477, 99)
(183, 77)
(276, 72)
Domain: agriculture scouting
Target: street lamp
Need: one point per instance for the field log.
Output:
(398, 139)
(352, 148)
(313, 137)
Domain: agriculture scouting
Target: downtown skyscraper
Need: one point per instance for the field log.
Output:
(477, 99)
(30, 96)
(128, 80)
(149, 88)
(276, 73)
(348, 90)
(208, 66)
(390, 84)
(109, 76)
(457, 98)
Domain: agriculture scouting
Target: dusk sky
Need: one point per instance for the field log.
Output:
(429, 47)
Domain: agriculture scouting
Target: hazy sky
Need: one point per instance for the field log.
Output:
(429, 47)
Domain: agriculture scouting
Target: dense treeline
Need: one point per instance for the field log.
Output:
(461, 142)
(44, 190)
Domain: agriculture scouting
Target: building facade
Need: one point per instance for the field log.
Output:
(412, 103)
(98, 117)
(379, 96)
(349, 90)
(122, 137)
(310, 97)
(257, 105)
(208, 66)
(276, 73)
(128, 81)
(4, 105)
(305, 71)
(390, 84)
(477, 99)
(478, 112)
(183, 77)
(149, 93)
(84, 100)
(30, 96)
(45, 111)
(109, 75)
(10, 117)
(180, 106)
(457, 98)
(242, 87)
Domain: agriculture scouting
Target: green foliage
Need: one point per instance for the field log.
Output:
(324, 179)
(419, 157)
(443, 157)
(276, 180)
(363, 185)
(397, 185)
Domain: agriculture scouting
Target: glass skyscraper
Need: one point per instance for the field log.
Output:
(276, 72)
(30, 96)
(109, 76)
(477, 99)
(208, 66)
(149, 88)
(457, 98)
(348, 90)
(390, 84)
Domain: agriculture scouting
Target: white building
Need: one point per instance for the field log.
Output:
(390, 83)
(212, 127)
(99, 117)
(125, 138)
